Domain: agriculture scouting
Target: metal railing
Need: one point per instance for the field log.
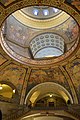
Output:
(21, 110)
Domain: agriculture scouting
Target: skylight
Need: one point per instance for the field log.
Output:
(55, 10)
(41, 12)
(35, 12)
(45, 12)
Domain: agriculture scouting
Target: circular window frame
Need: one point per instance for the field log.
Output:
(58, 4)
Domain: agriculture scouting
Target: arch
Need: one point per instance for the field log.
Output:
(48, 116)
(8, 92)
(48, 87)
(10, 84)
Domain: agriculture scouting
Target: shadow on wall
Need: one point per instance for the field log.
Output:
(0, 115)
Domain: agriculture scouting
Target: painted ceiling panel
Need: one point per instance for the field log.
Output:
(74, 3)
(73, 70)
(14, 74)
(22, 34)
(7, 2)
(48, 75)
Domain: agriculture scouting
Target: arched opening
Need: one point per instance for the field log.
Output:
(8, 92)
(50, 100)
(47, 45)
(48, 94)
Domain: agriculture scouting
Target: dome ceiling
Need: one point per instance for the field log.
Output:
(63, 70)
(22, 40)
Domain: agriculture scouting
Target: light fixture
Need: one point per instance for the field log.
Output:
(0, 87)
(55, 10)
(14, 91)
(50, 95)
(46, 12)
(35, 12)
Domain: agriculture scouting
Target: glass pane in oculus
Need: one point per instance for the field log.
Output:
(45, 12)
(35, 11)
(47, 53)
(41, 12)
